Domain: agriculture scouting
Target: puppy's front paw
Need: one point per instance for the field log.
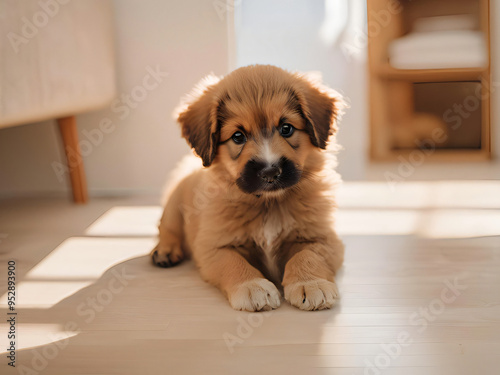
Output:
(255, 295)
(312, 294)
(168, 256)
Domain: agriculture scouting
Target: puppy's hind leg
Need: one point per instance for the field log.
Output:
(168, 252)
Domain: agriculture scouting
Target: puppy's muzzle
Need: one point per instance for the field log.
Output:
(260, 176)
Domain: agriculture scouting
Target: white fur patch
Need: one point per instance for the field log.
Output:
(267, 153)
(271, 229)
(275, 224)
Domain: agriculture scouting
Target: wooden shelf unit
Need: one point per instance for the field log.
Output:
(431, 75)
(392, 90)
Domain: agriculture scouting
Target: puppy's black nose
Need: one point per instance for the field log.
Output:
(270, 174)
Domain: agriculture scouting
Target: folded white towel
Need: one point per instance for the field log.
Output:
(439, 50)
(443, 23)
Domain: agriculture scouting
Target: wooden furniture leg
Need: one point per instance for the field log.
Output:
(67, 127)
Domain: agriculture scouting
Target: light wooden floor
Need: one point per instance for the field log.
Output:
(90, 302)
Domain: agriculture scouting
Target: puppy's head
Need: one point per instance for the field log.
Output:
(262, 124)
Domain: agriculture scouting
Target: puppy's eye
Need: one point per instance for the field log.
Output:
(286, 130)
(239, 138)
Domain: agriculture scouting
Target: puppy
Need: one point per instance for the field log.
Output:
(258, 216)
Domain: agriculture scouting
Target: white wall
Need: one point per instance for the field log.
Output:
(186, 39)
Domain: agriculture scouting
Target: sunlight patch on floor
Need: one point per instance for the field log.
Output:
(461, 223)
(376, 222)
(127, 221)
(434, 223)
(43, 294)
(88, 258)
(41, 334)
(434, 209)
(423, 194)
(73, 265)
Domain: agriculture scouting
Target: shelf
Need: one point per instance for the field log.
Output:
(439, 155)
(420, 98)
(431, 75)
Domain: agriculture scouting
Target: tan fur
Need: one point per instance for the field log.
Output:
(239, 241)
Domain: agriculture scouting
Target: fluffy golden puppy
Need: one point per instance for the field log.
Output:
(257, 217)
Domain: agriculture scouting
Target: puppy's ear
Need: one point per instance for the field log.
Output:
(197, 116)
(321, 107)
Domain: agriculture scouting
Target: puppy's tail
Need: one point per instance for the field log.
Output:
(186, 166)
